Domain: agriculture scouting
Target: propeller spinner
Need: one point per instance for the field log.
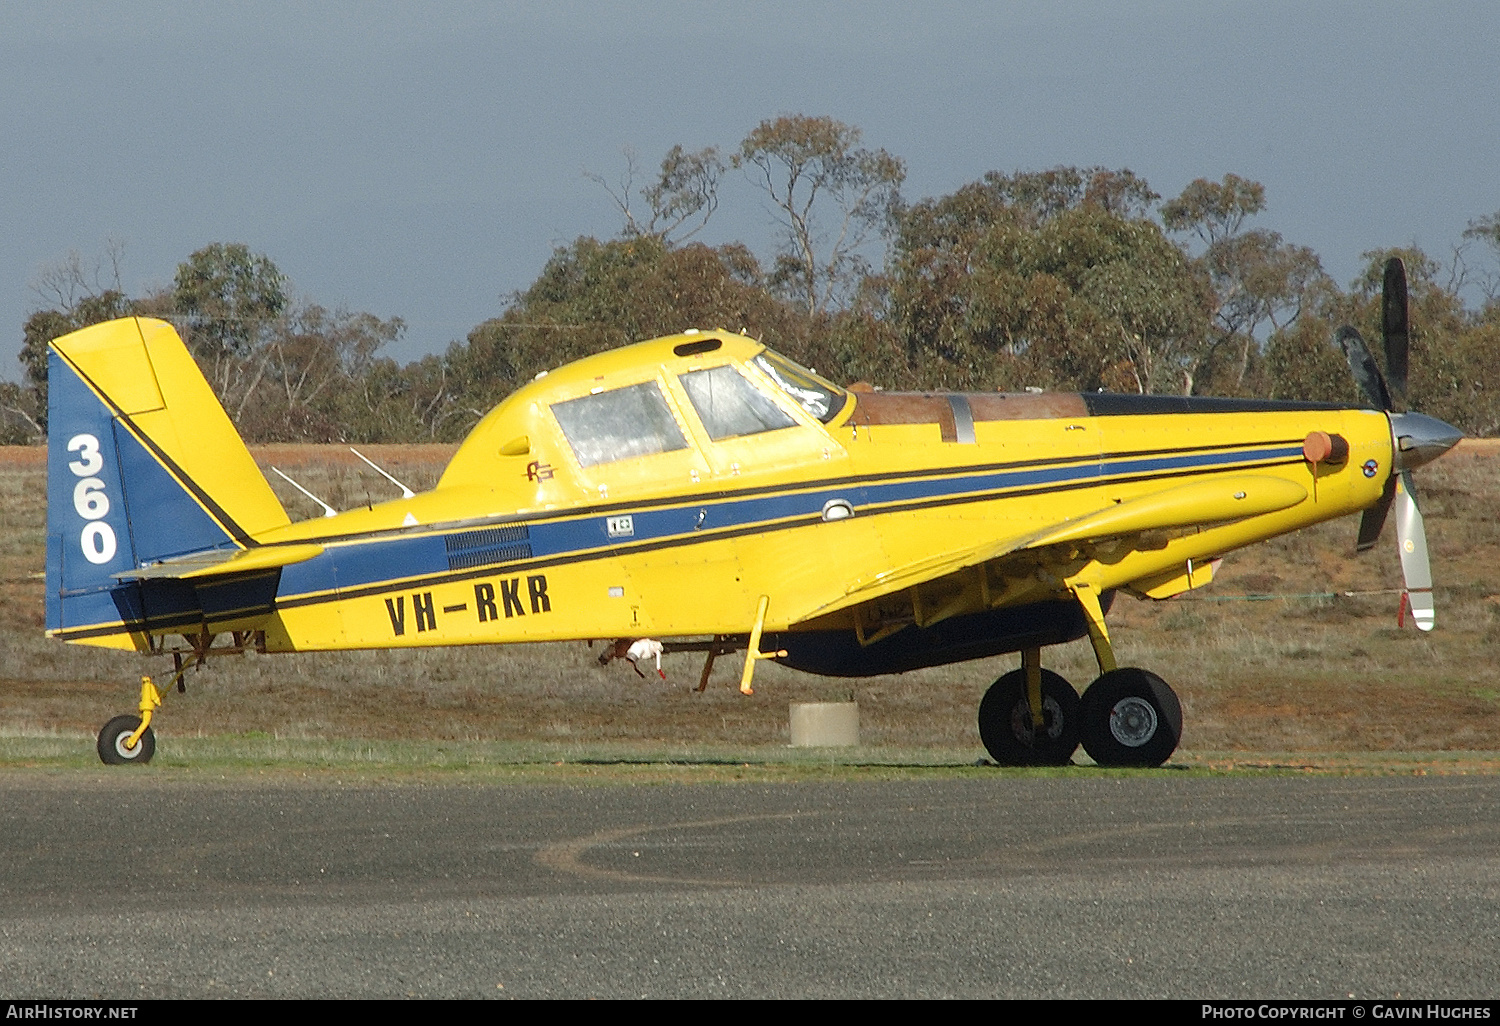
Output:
(1416, 439)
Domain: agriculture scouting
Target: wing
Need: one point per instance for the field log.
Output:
(955, 581)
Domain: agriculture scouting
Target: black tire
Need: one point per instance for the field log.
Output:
(1005, 721)
(1130, 717)
(111, 745)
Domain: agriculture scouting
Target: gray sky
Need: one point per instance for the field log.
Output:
(422, 160)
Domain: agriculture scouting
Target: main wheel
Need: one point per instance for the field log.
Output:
(1005, 721)
(112, 740)
(1130, 717)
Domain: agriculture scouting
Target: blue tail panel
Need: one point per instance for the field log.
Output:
(111, 506)
(165, 520)
(88, 533)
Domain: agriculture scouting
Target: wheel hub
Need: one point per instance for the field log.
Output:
(1132, 721)
(1052, 725)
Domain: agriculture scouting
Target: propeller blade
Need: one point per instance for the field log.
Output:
(1362, 364)
(1395, 328)
(1411, 535)
(1373, 520)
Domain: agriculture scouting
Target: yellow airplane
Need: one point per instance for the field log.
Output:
(702, 489)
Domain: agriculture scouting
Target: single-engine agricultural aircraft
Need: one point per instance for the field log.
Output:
(704, 490)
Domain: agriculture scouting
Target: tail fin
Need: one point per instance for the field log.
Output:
(142, 464)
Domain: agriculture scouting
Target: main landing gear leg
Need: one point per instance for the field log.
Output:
(1088, 599)
(1128, 716)
(1031, 665)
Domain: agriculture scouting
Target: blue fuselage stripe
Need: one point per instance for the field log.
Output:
(359, 565)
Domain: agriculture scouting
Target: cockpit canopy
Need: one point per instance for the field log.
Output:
(629, 404)
(636, 420)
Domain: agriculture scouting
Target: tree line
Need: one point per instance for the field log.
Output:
(1074, 279)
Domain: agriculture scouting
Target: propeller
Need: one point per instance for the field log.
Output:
(1417, 439)
(1394, 321)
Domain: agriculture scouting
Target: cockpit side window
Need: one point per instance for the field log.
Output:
(619, 425)
(730, 406)
(819, 398)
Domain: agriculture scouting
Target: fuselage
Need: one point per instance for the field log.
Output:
(533, 536)
(670, 489)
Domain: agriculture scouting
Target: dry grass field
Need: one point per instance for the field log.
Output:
(1274, 657)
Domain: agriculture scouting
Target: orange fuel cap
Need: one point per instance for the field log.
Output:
(1321, 447)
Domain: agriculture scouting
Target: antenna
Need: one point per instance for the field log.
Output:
(406, 493)
(328, 511)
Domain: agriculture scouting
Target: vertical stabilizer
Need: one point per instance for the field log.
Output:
(143, 464)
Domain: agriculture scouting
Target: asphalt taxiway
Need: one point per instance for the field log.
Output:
(134, 885)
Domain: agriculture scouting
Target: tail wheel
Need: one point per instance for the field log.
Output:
(112, 738)
(1130, 717)
(1005, 724)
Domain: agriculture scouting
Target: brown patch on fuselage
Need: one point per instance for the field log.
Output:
(1025, 406)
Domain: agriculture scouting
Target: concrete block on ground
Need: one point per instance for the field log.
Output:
(825, 724)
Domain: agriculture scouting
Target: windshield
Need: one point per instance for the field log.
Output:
(812, 393)
(730, 406)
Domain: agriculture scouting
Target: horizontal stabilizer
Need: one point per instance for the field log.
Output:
(222, 563)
